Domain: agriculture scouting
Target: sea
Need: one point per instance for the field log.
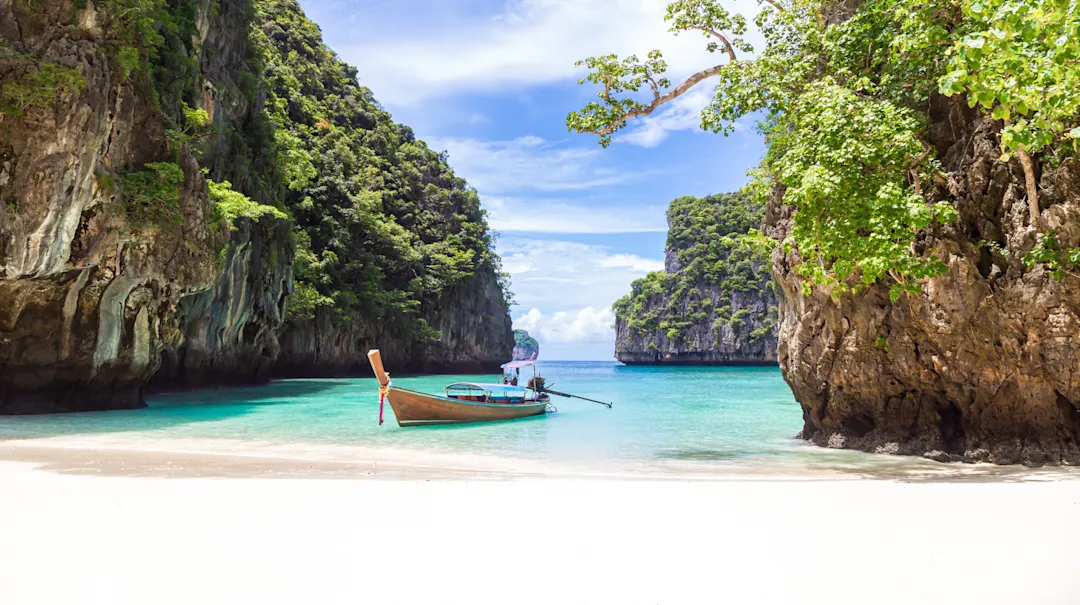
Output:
(669, 421)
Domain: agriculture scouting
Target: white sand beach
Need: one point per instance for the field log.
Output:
(112, 537)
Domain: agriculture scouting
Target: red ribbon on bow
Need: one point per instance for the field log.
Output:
(383, 390)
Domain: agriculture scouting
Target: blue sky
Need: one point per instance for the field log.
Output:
(491, 82)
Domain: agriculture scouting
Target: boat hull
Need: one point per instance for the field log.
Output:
(418, 409)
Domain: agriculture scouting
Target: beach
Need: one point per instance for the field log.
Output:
(117, 526)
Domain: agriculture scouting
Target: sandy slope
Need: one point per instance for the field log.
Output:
(145, 540)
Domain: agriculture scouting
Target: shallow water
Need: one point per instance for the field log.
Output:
(663, 417)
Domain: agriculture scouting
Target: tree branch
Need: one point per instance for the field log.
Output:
(657, 102)
(1030, 185)
(728, 48)
(655, 87)
(774, 4)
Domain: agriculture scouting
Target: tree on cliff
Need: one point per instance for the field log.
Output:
(845, 96)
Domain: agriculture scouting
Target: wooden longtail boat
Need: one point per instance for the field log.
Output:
(464, 401)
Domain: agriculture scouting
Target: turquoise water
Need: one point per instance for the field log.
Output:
(694, 413)
(662, 416)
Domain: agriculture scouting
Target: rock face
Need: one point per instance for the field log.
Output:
(474, 327)
(87, 298)
(525, 347)
(715, 303)
(981, 365)
(230, 329)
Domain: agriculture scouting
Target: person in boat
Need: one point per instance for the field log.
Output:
(512, 380)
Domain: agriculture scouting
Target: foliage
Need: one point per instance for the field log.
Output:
(383, 227)
(717, 243)
(1021, 62)
(305, 300)
(1057, 261)
(718, 248)
(842, 146)
(155, 43)
(193, 126)
(844, 93)
(37, 83)
(150, 198)
(230, 205)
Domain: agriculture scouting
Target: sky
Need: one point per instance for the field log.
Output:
(491, 83)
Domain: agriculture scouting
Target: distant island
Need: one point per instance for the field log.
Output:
(715, 302)
(525, 347)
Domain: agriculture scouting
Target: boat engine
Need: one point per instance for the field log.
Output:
(536, 383)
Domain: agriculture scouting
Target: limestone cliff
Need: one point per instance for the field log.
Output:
(105, 222)
(715, 303)
(980, 365)
(230, 330)
(470, 321)
(119, 269)
(394, 251)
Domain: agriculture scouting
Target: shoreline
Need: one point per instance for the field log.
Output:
(206, 458)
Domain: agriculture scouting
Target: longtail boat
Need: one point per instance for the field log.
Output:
(463, 402)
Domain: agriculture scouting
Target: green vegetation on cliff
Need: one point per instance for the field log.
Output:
(37, 84)
(383, 225)
(716, 246)
(230, 205)
(525, 346)
(845, 91)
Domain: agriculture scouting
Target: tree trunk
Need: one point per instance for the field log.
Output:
(1029, 177)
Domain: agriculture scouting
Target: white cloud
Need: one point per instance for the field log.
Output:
(563, 275)
(528, 163)
(557, 216)
(632, 262)
(588, 325)
(530, 42)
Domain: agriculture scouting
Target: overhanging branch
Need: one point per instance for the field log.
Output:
(657, 102)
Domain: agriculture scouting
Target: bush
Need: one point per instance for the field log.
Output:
(150, 198)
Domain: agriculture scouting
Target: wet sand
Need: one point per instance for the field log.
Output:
(122, 526)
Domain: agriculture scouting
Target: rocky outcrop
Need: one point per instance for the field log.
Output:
(474, 337)
(87, 299)
(715, 303)
(91, 301)
(525, 347)
(230, 331)
(981, 365)
(709, 342)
